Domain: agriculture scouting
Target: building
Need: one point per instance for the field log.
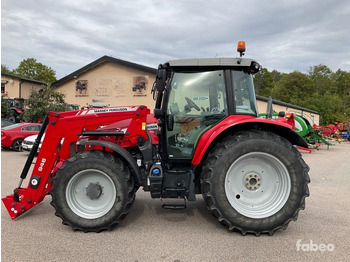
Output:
(113, 82)
(18, 87)
(108, 82)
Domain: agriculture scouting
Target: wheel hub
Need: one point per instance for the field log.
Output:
(252, 181)
(94, 190)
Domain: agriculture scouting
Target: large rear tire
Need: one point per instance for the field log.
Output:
(92, 191)
(255, 182)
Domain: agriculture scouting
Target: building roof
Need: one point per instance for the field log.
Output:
(100, 61)
(24, 79)
(277, 102)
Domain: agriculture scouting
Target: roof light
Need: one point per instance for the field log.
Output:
(241, 48)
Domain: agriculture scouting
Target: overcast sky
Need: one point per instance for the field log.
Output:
(283, 35)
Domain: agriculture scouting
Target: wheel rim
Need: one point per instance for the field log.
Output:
(91, 193)
(257, 185)
(17, 145)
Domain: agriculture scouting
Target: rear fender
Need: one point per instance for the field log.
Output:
(121, 152)
(236, 123)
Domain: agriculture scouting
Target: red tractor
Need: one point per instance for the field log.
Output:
(203, 138)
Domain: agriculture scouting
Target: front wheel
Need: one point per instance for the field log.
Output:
(255, 182)
(92, 191)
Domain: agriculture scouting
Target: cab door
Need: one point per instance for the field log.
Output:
(196, 102)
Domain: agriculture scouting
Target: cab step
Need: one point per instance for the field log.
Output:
(174, 204)
(174, 207)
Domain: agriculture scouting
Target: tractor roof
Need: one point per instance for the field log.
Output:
(222, 62)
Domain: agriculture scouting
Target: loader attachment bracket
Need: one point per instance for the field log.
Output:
(16, 207)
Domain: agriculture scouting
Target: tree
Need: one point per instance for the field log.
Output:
(42, 101)
(263, 82)
(30, 68)
(294, 88)
(322, 77)
(276, 76)
(342, 81)
(5, 69)
(5, 107)
(328, 105)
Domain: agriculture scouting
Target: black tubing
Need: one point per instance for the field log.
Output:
(34, 149)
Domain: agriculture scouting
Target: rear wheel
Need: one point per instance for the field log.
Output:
(255, 182)
(92, 191)
(17, 145)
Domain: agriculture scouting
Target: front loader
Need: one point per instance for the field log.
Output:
(203, 138)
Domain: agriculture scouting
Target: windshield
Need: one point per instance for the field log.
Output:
(245, 100)
(205, 89)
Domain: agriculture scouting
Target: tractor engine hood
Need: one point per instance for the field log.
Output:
(122, 125)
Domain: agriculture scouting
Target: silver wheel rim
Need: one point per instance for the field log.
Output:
(17, 145)
(257, 185)
(86, 204)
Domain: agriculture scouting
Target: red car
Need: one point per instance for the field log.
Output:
(13, 135)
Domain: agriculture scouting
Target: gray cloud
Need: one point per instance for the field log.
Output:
(281, 35)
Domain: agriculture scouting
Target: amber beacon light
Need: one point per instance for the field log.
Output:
(241, 48)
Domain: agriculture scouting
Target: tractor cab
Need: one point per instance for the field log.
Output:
(193, 95)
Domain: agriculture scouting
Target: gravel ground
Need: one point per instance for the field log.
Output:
(150, 233)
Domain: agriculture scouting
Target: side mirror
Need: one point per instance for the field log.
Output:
(160, 80)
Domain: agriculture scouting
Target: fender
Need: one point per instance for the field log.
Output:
(120, 151)
(234, 123)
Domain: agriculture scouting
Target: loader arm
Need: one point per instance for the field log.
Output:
(62, 131)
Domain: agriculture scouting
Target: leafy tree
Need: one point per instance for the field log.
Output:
(328, 105)
(293, 88)
(320, 90)
(30, 68)
(342, 82)
(5, 69)
(263, 82)
(42, 101)
(322, 77)
(276, 76)
(5, 107)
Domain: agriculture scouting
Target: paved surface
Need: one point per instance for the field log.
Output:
(150, 233)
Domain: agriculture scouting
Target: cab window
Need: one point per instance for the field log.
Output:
(197, 101)
(244, 93)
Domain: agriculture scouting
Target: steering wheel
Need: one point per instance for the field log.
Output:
(191, 104)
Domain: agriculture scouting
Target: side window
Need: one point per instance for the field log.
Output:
(245, 100)
(31, 128)
(196, 102)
